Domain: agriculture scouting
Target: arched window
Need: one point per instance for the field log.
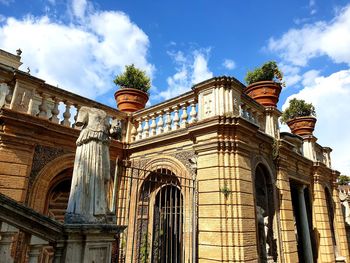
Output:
(58, 195)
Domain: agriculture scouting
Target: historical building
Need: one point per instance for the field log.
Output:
(203, 177)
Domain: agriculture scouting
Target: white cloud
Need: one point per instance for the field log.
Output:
(80, 8)
(312, 7)
(190, 69)
(229, 64)
(200, 68)
(309, 77)
(332, 39)
(330, 95)
(80, 57)
(291, 74)
(6, 2)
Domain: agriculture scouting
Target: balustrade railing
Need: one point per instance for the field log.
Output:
(252, 112)
(35, 97)
(323, 155)
(165, 117)
(27, 236)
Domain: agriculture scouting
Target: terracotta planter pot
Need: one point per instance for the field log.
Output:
(130, 100)
(265, 92)
(302, 125)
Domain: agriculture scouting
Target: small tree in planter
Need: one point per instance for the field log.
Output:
(300, 117)
(134, 87)
(265, 84)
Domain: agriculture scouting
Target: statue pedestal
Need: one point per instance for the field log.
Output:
(88, 243)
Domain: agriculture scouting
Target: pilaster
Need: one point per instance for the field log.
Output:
(226, 210)
(321, 222)
(289, 242)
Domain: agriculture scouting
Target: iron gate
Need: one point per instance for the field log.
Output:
(159, 209)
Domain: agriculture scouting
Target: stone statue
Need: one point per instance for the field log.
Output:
(91, 174)
(346, 209)
(261, 233)
(266, 230)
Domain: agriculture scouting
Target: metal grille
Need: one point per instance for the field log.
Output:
(159, 209)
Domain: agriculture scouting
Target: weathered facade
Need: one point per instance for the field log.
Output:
(203, 177)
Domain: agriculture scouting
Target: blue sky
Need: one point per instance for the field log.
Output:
(81, 45)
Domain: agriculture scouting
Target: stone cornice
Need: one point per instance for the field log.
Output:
(322, 174)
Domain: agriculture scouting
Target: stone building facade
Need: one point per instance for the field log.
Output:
(203, 177)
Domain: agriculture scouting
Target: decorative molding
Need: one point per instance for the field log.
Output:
(42, 156)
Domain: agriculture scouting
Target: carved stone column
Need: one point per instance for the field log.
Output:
(305, 231)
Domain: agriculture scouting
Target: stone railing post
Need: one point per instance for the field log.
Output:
(176, 118)
(66, 115)
(35, 249)
(160, 128)
(76, 115)
(218, 96)
(327, 156)
(134, 130)
(7, 233)
(309, 147)
(184, 115)
(271, 121)
(22, 96)
(153, 124)
(167, 120)
(139, 129)
(146, 127)
(43, 106)
(193, 112)
(55, 111)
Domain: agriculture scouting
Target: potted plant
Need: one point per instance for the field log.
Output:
(265, 84)
(300, 117)
(134, 86)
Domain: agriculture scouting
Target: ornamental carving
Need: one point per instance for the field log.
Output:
(42, 156)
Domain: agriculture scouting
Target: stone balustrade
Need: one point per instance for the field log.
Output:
(33, 96)
(165, 117)
(323, 155)
(252, 112)
(42, 236)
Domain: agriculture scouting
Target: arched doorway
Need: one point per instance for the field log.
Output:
(265, 213)
(160, 218)
(167, 225)
(160, 215)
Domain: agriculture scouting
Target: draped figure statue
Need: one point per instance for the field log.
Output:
(91, 174)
